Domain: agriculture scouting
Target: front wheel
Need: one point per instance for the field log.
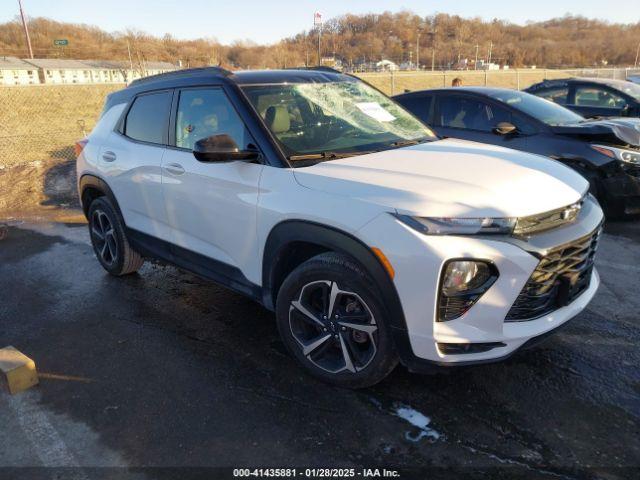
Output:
(331, 319)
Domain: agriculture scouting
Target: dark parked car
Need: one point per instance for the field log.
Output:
(605, 151)
(592, 97)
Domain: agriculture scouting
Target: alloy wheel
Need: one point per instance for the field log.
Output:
(334, 328)
(104, 237)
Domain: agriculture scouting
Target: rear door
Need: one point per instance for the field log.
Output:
(469, 117)
(211, 206)
(131, 159)
(593, 100)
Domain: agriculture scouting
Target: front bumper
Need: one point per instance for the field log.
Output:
(418, 260)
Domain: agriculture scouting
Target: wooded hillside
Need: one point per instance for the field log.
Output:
(561, 42)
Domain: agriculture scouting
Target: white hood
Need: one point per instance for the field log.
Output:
(450, 178)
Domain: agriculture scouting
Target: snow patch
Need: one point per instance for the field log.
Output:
(419, 421)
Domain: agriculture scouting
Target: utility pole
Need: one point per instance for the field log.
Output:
(130, 59)
(317, 22)
(26, 29)
(475, 65)
(635, 65)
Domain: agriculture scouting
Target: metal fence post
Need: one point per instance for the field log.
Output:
(444, 78)
(486, 76)
(518, 79)
(393, 83)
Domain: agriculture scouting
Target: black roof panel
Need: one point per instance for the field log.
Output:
(215, 75)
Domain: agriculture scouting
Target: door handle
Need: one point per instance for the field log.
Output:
(174, 168)
(109, 156)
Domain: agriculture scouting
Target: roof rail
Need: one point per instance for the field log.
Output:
(214, 71)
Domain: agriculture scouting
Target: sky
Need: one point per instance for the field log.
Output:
(267, 21)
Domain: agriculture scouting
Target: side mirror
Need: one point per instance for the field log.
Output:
(505, 128)
(222, 148)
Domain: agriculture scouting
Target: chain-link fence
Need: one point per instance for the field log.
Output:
(38, 128)
(40, 123)
(394, 82)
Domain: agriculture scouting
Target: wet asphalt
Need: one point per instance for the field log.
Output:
(164, 369)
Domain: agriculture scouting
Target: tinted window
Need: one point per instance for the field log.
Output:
(471, 114)
(558, 94)
(540, 109)
(206, 112)
(598, 97)
(147, 118)
(419, 105)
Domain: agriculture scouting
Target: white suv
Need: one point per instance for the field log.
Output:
(319, 197)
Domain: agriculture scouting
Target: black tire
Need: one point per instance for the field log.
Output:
(370, 354)
(109, 241)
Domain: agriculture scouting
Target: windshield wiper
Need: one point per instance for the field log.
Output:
(406, 143)
(323, 155)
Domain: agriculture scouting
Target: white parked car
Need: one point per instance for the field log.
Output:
(319, 197)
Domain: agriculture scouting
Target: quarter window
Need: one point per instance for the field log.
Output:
(203, 113)
(147, 119)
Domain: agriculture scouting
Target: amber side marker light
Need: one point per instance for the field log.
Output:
(79, 146)
(385, 261)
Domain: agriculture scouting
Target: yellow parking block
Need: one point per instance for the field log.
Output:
(19, 370)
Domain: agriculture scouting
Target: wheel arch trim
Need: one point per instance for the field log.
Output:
(92, 181)
(284, 234)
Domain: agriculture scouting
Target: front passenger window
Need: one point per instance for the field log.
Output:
(203, 113)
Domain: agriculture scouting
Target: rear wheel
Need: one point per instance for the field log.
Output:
(332, 321)
(109, 241)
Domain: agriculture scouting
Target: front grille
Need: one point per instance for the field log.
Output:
(560, 277)
(548, 220)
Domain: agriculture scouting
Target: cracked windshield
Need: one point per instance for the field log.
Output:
(334, 119)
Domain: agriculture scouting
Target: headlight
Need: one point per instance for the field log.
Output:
(463, 283)
(628, 156)
(458, 226)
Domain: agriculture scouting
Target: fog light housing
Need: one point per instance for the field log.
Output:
(463, 282)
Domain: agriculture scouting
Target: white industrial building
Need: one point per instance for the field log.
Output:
(14, 71)
(61, 70)
(48, 71)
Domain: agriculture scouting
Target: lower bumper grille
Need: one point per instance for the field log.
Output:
(560, 277)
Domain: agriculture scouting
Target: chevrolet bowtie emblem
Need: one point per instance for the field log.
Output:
(571, 211)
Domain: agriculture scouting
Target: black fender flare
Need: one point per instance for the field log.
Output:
(290, 231)
(93, 181)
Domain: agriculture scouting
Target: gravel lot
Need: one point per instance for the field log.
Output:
(162, 369)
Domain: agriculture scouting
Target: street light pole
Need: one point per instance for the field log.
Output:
(26, 29)
(418, 52)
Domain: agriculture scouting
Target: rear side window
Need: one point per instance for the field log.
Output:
(148, 117)
(419, 105)
(558, 95)
(467, 113)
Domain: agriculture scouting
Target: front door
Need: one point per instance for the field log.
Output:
(211, 206)
(598, 101)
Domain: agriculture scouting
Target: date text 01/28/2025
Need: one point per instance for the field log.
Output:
(316, 473)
